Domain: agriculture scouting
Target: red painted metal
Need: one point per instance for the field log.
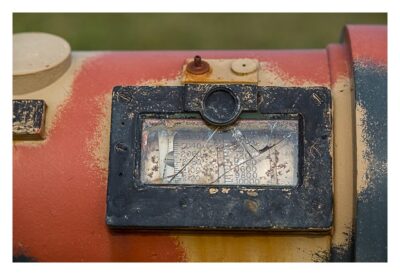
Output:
(368, 43)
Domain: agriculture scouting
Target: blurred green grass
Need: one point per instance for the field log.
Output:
(169, 31)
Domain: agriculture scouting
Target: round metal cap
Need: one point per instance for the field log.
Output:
(220, 106)
(38, 60)
(244, 66)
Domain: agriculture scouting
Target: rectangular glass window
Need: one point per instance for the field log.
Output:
(249, 152)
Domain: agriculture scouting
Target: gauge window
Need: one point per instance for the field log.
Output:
(249, 152)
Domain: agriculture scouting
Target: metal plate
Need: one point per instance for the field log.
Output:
(28, 119)
(134, 201)
(225, 71)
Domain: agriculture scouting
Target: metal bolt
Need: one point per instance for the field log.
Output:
(197, 61)
(198, 66)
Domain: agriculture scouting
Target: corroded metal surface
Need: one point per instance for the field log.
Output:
(306, 206)
(60, 182)
(85, 92)
(224, 71)
(198, 66)
(28, 119)
(367, 46)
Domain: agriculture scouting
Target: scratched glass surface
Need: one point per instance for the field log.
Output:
(249, 152)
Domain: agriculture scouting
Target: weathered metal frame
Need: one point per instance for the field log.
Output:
(131, 204)
(28, 119)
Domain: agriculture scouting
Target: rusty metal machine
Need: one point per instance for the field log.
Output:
(266, 155)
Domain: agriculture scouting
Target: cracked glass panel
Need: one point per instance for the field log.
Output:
(249, 152)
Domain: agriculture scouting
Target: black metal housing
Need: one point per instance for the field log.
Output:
(307, 206)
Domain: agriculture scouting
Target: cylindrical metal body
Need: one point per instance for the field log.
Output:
(60, 182)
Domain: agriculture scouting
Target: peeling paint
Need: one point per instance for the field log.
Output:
(252, 193)
(371, 129)
(56, 96)
(28, 119)
(272, 75)
(362, 161)
(213, 191)
(320, 255)
(98, 144)
(369, 161)
(342, 245)
(225, 190)
(73, 160)
(69, 200)
(78, 173)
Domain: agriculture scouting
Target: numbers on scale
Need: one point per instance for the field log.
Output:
(251, 152)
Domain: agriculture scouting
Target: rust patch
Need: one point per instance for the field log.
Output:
(197, 66)
(220, 72)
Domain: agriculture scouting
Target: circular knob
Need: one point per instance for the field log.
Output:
(220, 106)
(244, 66)
(39, 59)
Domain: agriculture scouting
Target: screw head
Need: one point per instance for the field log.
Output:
(198, 66)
